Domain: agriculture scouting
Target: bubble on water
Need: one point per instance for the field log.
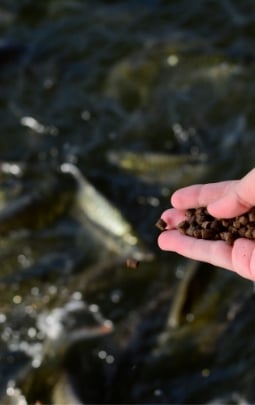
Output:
(158, 392)
(86, 115)
(94, 308)
(11, 168)
(153, 201)
(165, 192)
(54, 131)
(16, 394)
(116, 296)
(32, 332)
(180, 133)
(108, 324)
(10, 389)
(36, 362)
(102, 354)
(30, 309)
(6, 334)
(110, 359)
(23, 345)
(48, 83)
(52, 290)
(172, 60)
(33, 124)
(190, 317)
(17, 299)
(49, 323)
(35, 291)
(205, 372)
(2, 318)
(77, 295)
(54, 152)
(23, 260)
(179, 273)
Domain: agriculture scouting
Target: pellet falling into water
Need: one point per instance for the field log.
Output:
(132, 263)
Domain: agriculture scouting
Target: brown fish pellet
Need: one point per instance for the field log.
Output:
(190, 212)
(197, 233)
(206, 224)
(248, 234)
(225, 222)
(242, 231)
(237, 224)
(183, 225)
(132, 263)
(200, 224)
(161, 224)
(190, 231)
(243, 220)
(215, 225)
(252, 215)
(207, 234)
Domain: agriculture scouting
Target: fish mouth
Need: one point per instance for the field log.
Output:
(101, 330)
(87, 333)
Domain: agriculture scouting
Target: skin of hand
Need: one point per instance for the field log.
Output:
(224, 199)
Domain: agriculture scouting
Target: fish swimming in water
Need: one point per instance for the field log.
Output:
(74, 321)
(40, 207)
(11, 51)
(60, 329)
(106, 217)
(160, 168)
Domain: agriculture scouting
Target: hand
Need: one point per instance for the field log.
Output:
(223, 200)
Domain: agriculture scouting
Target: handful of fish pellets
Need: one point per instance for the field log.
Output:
(200, 224)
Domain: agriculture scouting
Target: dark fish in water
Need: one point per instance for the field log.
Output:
(59, 329)
(11, 51)
(143, 162)
(176, 313)
(63, 329)
(67, 190)
(75, 321)
(39, 208)
(6, 16)
(160, 167)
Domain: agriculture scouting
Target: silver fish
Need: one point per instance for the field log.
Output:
(104, 215)
(160, 167)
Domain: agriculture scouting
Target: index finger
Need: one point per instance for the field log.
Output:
(200, 195)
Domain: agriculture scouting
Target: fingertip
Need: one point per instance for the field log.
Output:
(186, 197)
(163, 241)
(176, 199)
(172, 217)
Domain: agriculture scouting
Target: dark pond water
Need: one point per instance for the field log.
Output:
(106, 107)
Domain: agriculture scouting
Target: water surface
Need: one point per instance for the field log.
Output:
(142, 97)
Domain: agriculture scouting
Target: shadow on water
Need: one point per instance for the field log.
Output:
(105, 109)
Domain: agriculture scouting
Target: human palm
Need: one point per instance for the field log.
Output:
(223, 200)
